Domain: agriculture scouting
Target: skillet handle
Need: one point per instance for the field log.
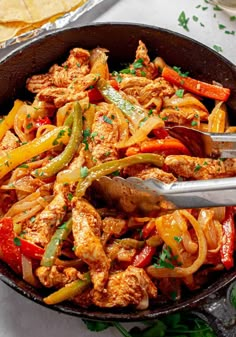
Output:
(220, 312)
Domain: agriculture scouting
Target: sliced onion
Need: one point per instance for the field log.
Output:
(179, 271)
(27, 271)
(141, 133)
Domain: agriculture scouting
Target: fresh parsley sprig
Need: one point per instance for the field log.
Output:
(173, 325)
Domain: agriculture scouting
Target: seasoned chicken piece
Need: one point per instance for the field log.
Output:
(130, 287)
(129, 81)
(56, 276)
(114, 226)
(9, 142)
(88, 247)
(78, 58)
(158, 88)
(84, 300)
(144, 171)
(146, 93)
(77, 65)
(146, 68)
(201, 168)
(115, 251)
(46, 222)
(38, 82)
(60, 96)
(106, 134)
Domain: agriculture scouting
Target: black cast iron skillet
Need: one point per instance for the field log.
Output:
(121, 40)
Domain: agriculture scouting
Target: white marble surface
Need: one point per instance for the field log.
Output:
(18, 316)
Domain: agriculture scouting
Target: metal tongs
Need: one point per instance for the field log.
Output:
(151, 194)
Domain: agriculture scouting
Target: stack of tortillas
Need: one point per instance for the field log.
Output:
(20, 16)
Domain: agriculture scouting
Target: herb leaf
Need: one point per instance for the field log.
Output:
(183, 21)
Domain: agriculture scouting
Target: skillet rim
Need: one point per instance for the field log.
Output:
(9, 278)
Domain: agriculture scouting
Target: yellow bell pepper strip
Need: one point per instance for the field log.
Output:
(98, 62)
(55, 243)
(107, 168)
(172, 271)
(69, 291)
(195, 86)
(8, 121)
(21, 154)
(64, 158)
(133, 112)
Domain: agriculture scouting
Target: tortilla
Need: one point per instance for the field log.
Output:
(17, 16)
(32, 11)
(9, 30)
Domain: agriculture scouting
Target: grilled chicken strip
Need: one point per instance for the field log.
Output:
(56, 276)
(148, 68)
(106, 134)
(201, 168)
(88, 247)
(130, 287)
(145, 171)
(75, 66)
(46, 222)
(9, 142)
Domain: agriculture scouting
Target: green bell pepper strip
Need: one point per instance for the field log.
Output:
(55, 243)
(69, 291)
(133, 112)
(60, 161)
(130, 243)
(107, 168)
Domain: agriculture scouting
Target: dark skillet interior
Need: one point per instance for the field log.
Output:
(121, 40)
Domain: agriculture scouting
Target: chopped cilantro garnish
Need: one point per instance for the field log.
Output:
(197, 168)
(94, 134)
(221, 26)
(60, 135)
(138, 64)
(17, 241)
(178, 70)
(107, 119)
(180, 93)
(183, 21)
(24, 166)
(217, 48)
(70, 196)
(29, 126)
(178, 239)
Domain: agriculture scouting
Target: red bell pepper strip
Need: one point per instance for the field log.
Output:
(144, 257)
(195, 86)
(42, 121)
(160, 133)
(30, 250)
(95, 96)
(227, 247)
(148, 229)
(9, 251)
